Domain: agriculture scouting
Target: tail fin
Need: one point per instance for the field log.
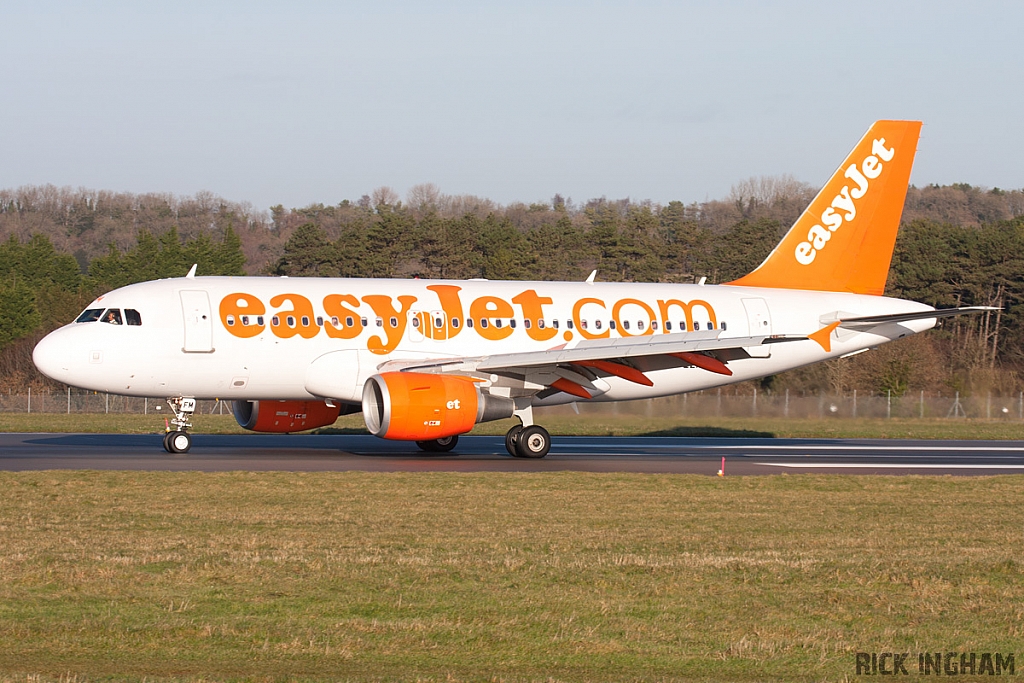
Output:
(843, 242)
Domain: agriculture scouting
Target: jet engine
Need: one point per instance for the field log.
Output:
(283, 416)
(412, 406)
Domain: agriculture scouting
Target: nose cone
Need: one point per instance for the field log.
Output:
(52, 356)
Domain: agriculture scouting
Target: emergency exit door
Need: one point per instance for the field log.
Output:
(759, 323)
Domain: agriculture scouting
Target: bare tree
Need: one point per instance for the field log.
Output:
(383, 196)
(423, 197)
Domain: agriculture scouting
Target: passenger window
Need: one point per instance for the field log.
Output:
(668, 325)
(305, 321)
(722, 325)
(379, 322)
(611, 324)
(132, 316)
(654, 324)
(245, 320)
(540, 323)
(682, 326)
(583, 324)
(230, 320)
(259, 320)
(455, 322)
(625, 324)
(319, 321)
(275, 321)
(483, 322)
(597, 324)
(512, 323)
(469, 322)
(112, 316)
(527, 323)
(290, 320)
(438, 323)
(363, 321)
(639, 324)
(416, 323)
(90, 315)
(497, 323)
(394, 322)
(349, 322)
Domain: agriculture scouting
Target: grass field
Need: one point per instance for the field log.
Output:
(548, 577)
(560, 424)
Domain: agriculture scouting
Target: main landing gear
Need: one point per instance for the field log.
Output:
(528, 442)
(442, 445)
(178, 440)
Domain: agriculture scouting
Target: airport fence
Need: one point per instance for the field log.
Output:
(706, 404)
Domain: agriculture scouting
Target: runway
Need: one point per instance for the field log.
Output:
(672, 455)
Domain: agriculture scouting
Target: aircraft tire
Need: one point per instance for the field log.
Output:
(533, 442)
(445, 444)
(179, 442)
(511, 436)
(442, 445)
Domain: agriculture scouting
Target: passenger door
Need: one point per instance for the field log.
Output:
(195, 309)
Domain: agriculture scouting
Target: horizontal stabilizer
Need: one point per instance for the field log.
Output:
(874, 320)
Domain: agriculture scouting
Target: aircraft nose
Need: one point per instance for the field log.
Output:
(52, 356)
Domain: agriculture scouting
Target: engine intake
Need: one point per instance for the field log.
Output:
(283, 416)
(413, 406)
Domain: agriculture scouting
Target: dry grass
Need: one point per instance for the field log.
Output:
(567, 576)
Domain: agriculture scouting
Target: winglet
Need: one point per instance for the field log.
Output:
(843, 242)
(192, 271)
(824, 336)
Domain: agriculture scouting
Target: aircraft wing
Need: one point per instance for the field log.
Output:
(627, 347)
(575, 369)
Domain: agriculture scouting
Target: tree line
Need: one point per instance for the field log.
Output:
(959, 245)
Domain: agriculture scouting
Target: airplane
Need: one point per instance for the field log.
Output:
(426, 360)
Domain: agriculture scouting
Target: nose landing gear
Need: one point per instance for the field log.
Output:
(178, 440)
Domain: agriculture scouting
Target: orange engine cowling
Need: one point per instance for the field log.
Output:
(415, 406)
(283, 416)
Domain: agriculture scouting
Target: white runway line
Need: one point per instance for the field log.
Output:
(800, 447)
(866, 465)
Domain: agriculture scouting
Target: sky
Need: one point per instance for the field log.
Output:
(298, 102)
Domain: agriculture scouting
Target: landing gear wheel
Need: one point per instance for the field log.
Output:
(442, 445)
(511, 436)
(533, 442)
(179, 442)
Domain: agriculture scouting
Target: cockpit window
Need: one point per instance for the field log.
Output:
(132, 316)
(112, 316)
(90, 315)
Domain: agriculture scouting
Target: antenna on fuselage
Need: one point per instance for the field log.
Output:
(590, 278)
(192, 271)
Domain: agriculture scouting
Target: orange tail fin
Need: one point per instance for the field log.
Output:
(843, 242)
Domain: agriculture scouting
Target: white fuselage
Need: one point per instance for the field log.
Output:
(257, 338)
